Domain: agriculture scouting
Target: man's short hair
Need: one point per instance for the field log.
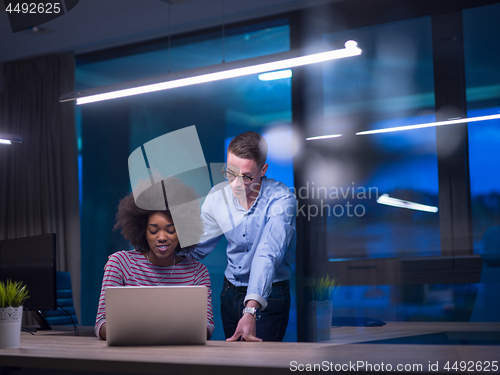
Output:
(249, 145)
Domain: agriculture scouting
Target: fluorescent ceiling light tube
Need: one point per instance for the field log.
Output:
(323, 137)
(389, 201)
(269, 63)
(271, 76)
(431, 124)
(6, 138)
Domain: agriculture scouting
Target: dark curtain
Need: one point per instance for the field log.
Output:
(39, 177)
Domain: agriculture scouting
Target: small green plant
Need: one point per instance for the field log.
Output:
(12, 293)
(322, 288)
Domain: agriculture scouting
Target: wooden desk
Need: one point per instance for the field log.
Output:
(86, 354)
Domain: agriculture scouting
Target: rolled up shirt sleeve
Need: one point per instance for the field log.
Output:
(260, 239)
(271, 251)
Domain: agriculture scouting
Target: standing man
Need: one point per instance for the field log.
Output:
(257, 216)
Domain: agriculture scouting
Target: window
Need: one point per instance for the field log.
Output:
(111, 130)
(391, 84)
(482, 58)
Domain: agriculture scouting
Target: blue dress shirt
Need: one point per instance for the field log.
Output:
(261, 240)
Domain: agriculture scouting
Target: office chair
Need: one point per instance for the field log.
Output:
(65, 313)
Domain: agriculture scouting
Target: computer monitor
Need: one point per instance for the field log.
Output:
(32, 260)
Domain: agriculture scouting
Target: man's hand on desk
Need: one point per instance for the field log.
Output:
(246, 328)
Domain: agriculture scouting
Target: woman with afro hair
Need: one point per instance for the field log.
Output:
(155, 259)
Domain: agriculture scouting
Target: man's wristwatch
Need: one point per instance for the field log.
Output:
(254, 311)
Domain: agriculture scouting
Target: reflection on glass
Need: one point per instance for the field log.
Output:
(390, 84)
(482, 58)
(184, 53)
(110, 132)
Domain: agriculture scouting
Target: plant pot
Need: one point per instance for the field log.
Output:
(319, 320)
(10, 327)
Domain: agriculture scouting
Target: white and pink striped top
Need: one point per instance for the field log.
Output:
(131, 268)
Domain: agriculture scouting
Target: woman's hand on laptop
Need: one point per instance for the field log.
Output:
(102, 331)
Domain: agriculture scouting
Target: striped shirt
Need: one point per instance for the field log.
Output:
(131, 268)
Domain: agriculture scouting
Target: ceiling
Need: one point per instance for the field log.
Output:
(96, 24)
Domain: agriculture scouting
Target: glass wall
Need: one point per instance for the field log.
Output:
(110, 131)
(482, 58)
(187, 52)
(390, 85)
(379, 192)
(377, 195)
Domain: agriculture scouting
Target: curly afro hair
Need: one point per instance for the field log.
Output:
(133, 220)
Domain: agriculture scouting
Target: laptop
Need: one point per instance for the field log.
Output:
(156, 315)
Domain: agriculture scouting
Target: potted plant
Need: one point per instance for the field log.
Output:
(12, 296)
(320, 307)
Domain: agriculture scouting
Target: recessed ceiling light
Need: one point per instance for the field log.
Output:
(280, 74)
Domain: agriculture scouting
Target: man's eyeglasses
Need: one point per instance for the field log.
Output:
(231, 176)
